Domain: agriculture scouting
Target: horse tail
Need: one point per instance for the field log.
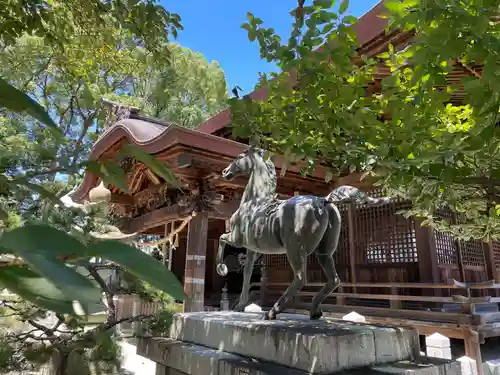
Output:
(347, 193)
(221, 268)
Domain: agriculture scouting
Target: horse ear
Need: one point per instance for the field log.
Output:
(251, 149)
(257, 150)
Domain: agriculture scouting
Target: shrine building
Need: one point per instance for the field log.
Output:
(391, 268)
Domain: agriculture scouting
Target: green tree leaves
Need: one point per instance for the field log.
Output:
(343, 6)
(426, 135)
(77, 61)
(56, 21)
(17, 101)
(35, 288)
(186, 92)
(55, 284)
(141, 265)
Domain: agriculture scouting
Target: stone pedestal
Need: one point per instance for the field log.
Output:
(222, 343)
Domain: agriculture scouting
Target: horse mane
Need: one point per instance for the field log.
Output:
(272, 173)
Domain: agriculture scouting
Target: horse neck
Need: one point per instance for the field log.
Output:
(261, 184)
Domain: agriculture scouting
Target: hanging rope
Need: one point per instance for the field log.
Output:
(173, 237)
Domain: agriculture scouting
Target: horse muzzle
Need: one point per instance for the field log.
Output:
(227, 174)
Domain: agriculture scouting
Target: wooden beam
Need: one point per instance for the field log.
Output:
(159, 217)
(224, 210)
(354, 179)
(196, 252)
(287, 184)
(122, 199)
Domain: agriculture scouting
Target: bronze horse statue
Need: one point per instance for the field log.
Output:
(297, 227)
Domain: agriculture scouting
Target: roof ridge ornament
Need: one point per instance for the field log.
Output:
(117, 112)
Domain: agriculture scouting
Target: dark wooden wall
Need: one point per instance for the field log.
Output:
(379, 245)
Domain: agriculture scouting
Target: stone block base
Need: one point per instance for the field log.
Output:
(228, 343)
(317, 347)
(180, 358)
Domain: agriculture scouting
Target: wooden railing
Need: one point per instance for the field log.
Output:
(467, 314)
(467, 324)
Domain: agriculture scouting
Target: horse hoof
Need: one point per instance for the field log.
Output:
(316, 315)
(221, 269)
(269, 316)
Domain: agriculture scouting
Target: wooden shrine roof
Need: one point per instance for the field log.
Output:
(196, 158)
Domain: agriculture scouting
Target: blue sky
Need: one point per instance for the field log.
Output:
(213, 28)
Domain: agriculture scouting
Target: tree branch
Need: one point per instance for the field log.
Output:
(107, 291)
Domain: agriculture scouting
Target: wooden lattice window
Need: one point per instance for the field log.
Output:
(472, 253)
(496, 254)
(276, 260)
(382, 235)
(342, 254)
(446, 248)
(376, 193)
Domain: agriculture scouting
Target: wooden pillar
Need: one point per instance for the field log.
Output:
(491, 269)
(473, 348)
(458, 246)
(489, 258)
(351, 212)
(264, 282)
(428, 268)
(196, 251)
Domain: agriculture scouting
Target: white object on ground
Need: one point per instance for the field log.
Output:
(438, 346)
(253, 308)
(354, 317)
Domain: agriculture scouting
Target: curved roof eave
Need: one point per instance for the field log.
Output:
(152, 138)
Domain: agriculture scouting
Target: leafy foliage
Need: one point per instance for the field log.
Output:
(57, 21)
(83, 52)
(65, 343)
(58, 60)
(68, 82)
(187, 91)
(417, 137)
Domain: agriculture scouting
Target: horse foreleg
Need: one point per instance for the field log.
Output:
(221, 268)
(298, 264)
(247, 276)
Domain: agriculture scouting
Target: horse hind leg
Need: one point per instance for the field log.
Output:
(324, 253)
(247, 276)
(298, 263)
(331, 284)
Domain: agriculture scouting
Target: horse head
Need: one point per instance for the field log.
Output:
(244, 164)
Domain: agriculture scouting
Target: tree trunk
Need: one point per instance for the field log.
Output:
(69, 364)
